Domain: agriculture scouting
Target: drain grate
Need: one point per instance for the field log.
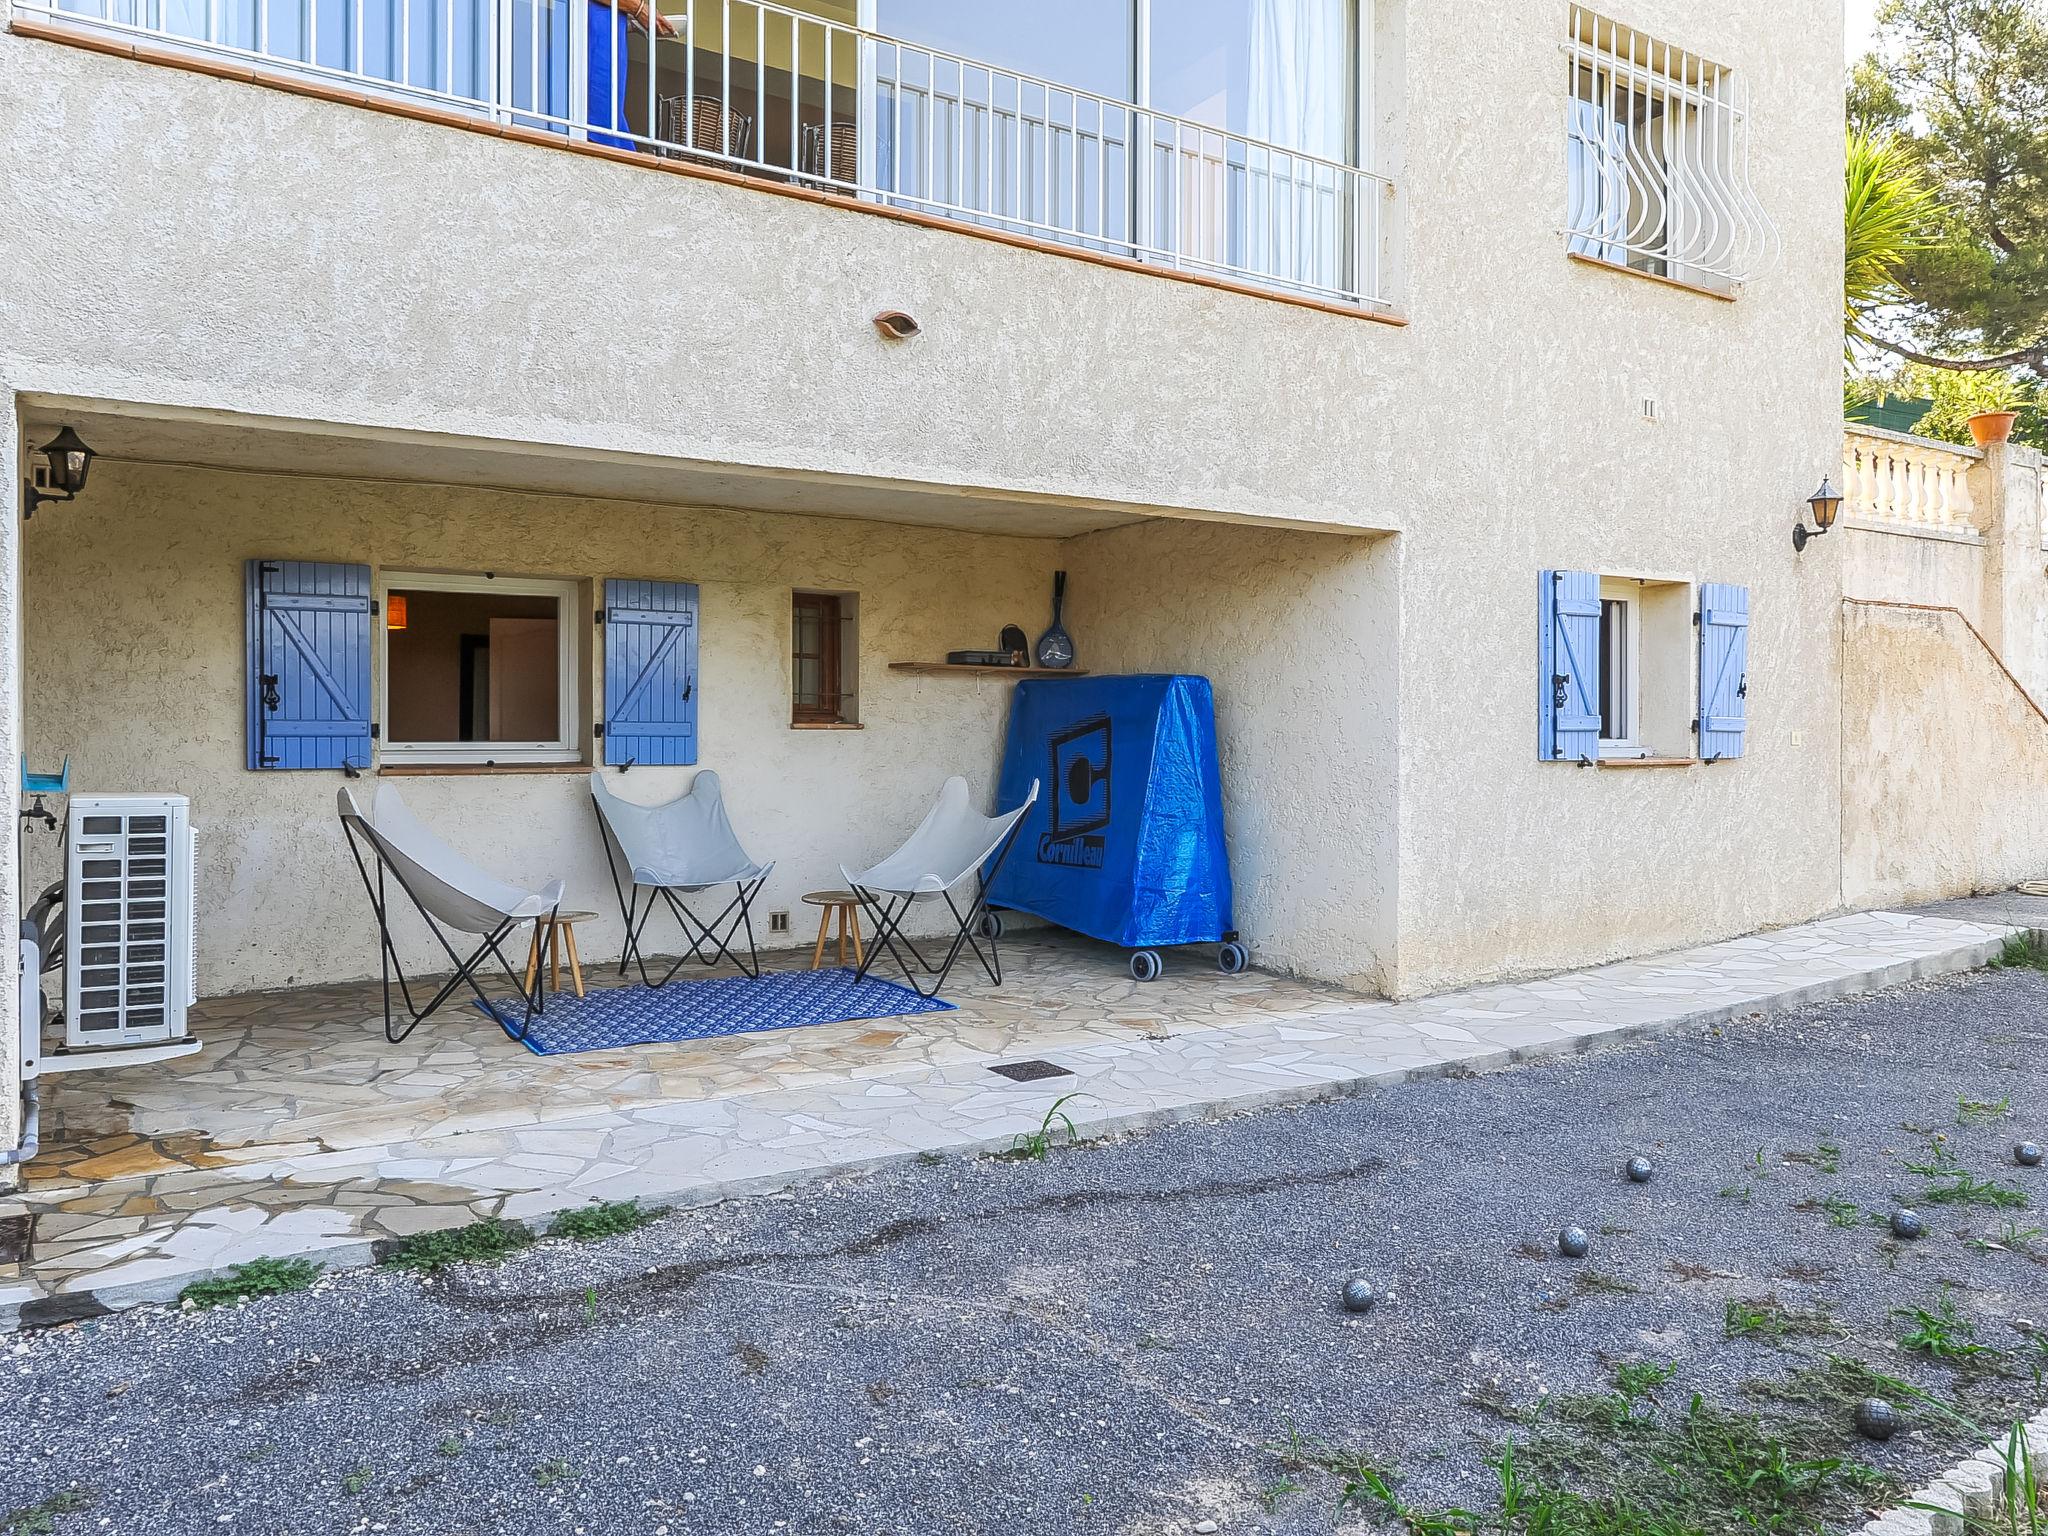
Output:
(1029, 1071)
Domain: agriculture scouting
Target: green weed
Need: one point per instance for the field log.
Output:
(1640, 1378)
(1982, 1111)
(1950, 1183)
(1038, 1145)
(258, 1277)
(1825, 1158)
(450, 1446)
(552, 1471)
(614, 1218)
(1274, 1492)
(481, 1242)
(1765, 1317)
(356, 1481)
(1941, 1332)
(2022, 952)
(40, 1519)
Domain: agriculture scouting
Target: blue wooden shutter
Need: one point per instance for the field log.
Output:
(1724, 670)
(308, 687)
(1568, 667)
(650, 672)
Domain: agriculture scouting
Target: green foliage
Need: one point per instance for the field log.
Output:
(1886, 214)
(481, 1242)
(1941, 1332)
(586, 1224)
(1961, 88)
(1038, 1145)
(1765, 1317)
(1595, 1466)
(1640, 1378)
(1953, 1184)
(40, 1519)
(258, 1277)
(1982, 1111)
(552, 1471)
(2023, 951)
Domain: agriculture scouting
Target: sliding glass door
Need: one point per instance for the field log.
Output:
(1278, 80)
(1210, 133)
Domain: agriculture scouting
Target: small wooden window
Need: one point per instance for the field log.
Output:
(821, 653)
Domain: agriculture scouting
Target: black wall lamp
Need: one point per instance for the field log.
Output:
(70, 461)
(1826, 502)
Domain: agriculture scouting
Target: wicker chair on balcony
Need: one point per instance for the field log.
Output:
(842, 169)
(715, 128)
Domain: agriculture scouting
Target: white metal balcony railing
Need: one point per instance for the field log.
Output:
(1912, 483)
(790, 96)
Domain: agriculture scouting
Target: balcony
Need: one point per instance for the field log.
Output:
(798, 98)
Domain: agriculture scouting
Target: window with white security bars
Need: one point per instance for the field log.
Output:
(1658, 160)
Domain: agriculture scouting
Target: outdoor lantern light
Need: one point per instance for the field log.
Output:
(1826, 502)
(394, 610)
(70, 461)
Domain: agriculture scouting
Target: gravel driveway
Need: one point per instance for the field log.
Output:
(1116, 1338)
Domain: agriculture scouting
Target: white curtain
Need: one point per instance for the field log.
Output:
(1298, 75)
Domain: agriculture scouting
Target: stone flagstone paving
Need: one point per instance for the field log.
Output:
(299, 1131)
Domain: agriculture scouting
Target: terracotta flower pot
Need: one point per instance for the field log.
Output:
(1989, 427)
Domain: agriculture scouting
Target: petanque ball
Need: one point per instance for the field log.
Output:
(1640, 1169)
(2027, 1154)
(1907, 1225)
(1359, 1296)
(1573, 1243)
(1876, 1419)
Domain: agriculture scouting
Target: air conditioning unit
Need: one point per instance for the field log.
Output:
(128, 940)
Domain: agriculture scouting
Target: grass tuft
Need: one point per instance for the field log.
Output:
(481, 1242)
(258, 1277)
(1038, 1145)
(589, 1223)
(1941, 1332)
(39, 1519)
(1765, 1317)
(2022, 952)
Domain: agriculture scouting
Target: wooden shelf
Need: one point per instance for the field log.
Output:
(933, 668)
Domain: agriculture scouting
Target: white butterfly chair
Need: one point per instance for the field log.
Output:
(952, 843)
(681, 848)
(452, 894)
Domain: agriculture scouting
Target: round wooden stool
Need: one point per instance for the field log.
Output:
(553, 938)
(847, 905)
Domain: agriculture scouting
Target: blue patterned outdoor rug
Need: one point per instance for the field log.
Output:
(611, 1017)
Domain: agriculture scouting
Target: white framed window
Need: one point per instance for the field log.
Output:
(481, 669)
(1621, 648)
(1658, 160)
(1647, 654)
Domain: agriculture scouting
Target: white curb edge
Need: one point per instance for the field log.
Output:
(1969, 1496)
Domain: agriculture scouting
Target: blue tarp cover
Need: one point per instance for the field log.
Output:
(1125, 843)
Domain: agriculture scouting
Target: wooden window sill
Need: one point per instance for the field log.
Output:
(1651, 277)
(473, 770)
(1648, 762)
(826, 725)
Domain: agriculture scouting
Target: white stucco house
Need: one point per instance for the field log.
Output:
(1441, 381)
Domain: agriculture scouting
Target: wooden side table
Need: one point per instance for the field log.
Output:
(847, 906)
(553, 937)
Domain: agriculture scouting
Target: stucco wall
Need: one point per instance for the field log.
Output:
(134, 625)
(1943, 762)
(244, 251)
(1298, 632)
(1887, 567)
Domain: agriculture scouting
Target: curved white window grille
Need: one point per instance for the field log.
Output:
(1658, 158)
